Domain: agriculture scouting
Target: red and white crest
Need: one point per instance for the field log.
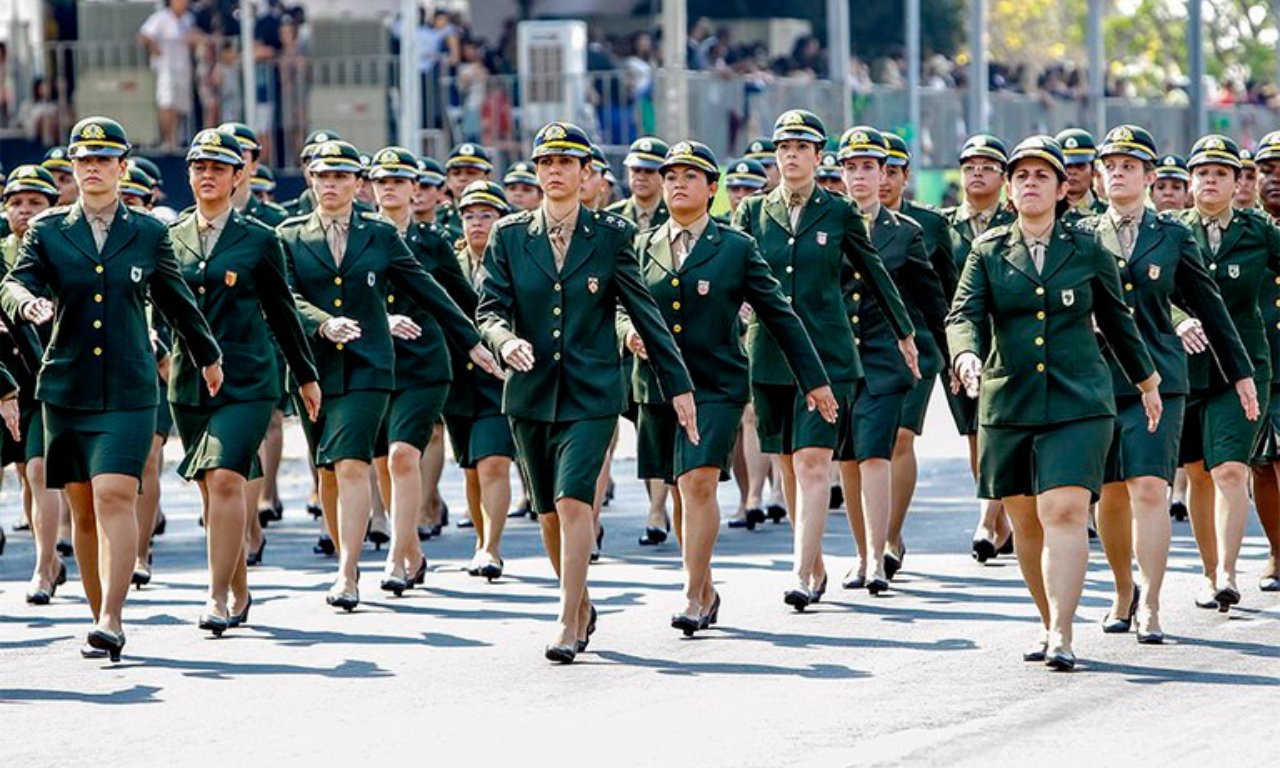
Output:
(593, 284)
(704, 287)
(822, 238)
(230, 279)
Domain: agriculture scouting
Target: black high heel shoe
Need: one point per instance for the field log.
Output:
(491, 571)
(835, 498)
(162, 524)
(347, 601)
(315, 510)
(242, 618)
(394, 584)
(712, 616)
(323, 546)
(1178, 511)
(64, 548)
(419, 576)
(255, 558)
(816, 595)
(62, 576)
(561, 654)
(110, 642)
(265, 516)
(1227, 597)
(798, 599)
(214, 624)
(877, 586)
(595, 553)
(1007, 547)
(1120, 626)
(277, 510)
(376, 537)
(608, 494)
(39, 596)
(655, 536)
(140, 578)
(1061, 661)
(3, 541)
(686, 623)
(983, 550)
(893, 563)
(776, 513)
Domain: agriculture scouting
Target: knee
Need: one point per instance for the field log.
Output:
(1233, 474)
(494, 469)
(403, 459)
(810, 467)
(112, 496)
(351, 471)
(1059, 515)
(904, 447)
(35, 473)
(224, 484)
(1148, 493)
(698, 486)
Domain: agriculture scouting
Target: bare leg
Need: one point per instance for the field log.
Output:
(84, 532)
(353, 519)
(494, 473)
(876, 490)
(269, 454)
(1231, 507)
(1116, 522)
(1152, 531)
(404, 471)
(432, 468)
(699, 525)
(1064, 516)
(1266, 495)
(905, 472)
(45, 513)
(811, 474)
(115, 510)
(1030, 533)
(148, 506)
(224, 493)
(740, 473)
(577, 536)
(851, 480)
(1201, 511)
(657, 490)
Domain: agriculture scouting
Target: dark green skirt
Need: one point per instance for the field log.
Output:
(82, 444)
(222, 437)
(916, 405)
(164, 415)
(1027, 461)
(33, 435)
(1269, 443)
(1216, 431)
(479, 438)
(874, 426)
(964, 409)
(347, 427)
(562, 459)
(1135, 452)
(785, 424)
(411, 417)
(663, 450)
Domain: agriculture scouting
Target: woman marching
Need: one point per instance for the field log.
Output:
(342, 264)
(1160, 264)
(1045, 409)
(422, 369)
(1242, 249)
(480, 434)
(28, 191)
(554, 278)
(700, 273)
(101, 262)
(235, 267)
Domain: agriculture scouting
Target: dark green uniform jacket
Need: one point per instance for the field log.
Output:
(1166, 268)
(1043, 365)
(426, 359)
(900, 243)
(816, 266)
(568, 317)
(937, 242)
(474, 393)
(99, 355)
(241, 282)
(700, 302)
(268, 213)
(627, 209)
(962, 234)
(376, 260)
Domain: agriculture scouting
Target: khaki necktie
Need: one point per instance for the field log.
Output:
(979, 224)
(1037, 254)
(208, 235)
(870, 222)
(336, 235)
(1213, 231)
(643, 219)
(1127, 230)
(795, 206)
(101, 226)
(680, 248)
(559, 234)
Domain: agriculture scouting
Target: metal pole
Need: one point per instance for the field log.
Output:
(1097, 114)
(838, 51)
(410, 82)
(978, 66)
(675, 85)
(1195, 65)
(913, 76)
(248, 78)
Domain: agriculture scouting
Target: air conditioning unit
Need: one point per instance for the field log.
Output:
(552, 61)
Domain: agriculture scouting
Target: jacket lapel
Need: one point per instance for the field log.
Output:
(582, 244)
(1019, 257)
(1232, 234)
(232, 233)
(75, 226)
(1057, 253)
(121, 234)
(705, 248)
(358, 239)
(659, 249)
(313, 239)
(776, 208)
(1149, 237)
(538, 244)
(884, 231)
(813, 210)
(186, 235)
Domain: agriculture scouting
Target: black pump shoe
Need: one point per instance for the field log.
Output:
(110, 642)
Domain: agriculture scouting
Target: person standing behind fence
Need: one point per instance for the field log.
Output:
(168, 35)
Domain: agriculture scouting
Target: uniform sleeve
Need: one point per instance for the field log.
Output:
(1115, 319)
(410, 277)
(443, 266)
(497, 295)
(859, 251)
(22, 332)
(967, 320)
(170, 295)
(742, 220)
(1198, 295)
(918, 280)
(312, 316)
(28, 279)
(281, 312)
(764, 294)
(633, 296)
(943, 259)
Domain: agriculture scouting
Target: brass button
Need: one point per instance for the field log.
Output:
(1213, 267)
(97, 351)
(97, 298)
(340, 347)
(791, 241)
(1039, 290)
(790, 269)
(677, 328)
(100, 269)
(555, 334)
(471, 366)
(555, 311)
(1040, 367)
(556, 356)
(557, 287)
(676, 281)
(857, 342)
(201, 265)
(855, 319)
(1278, 281)
(337, 281)
(857, 275)
(1128, 286)
(787, 299)
(97, 323)
(857, 297)
(1123, 263)
(676, 304)
(1039, 341)
(391, 298)
(1040, 315)
(337, 302)
(201, 291)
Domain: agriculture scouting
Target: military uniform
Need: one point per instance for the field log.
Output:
(358, 377)
(564, 410)
(1079, 148)
(1045, 410)
(815, 265)
(700, 300)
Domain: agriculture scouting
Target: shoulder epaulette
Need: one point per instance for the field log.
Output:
(613, 222)
(57, 210)
(519, 217)
(994, 233)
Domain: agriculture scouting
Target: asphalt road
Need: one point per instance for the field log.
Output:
(453, 673)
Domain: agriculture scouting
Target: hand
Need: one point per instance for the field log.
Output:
(1248, 392)
(213, 378)
(687, 415)
(3, 328)
(164, 366)
(481, 356)
(1194, 340)
(518, 354)
(37, 311)
(9, 411)
(340, 330)
(636, 345)
(310, 393)
(955, 384)
(910, 354)
(403, 328)
(1154, 406)
(968, 368)
(744, 312)
(824, 401)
